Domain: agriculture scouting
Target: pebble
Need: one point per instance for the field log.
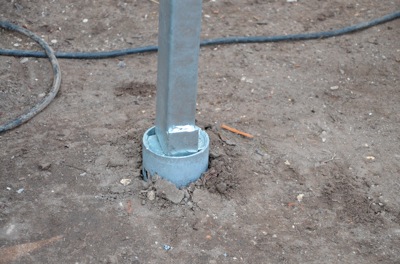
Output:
(323, 136)
(300, 197)
(222, 187)
(125, 182)
(85, 20)
(44, 166)
(169, 191)
(24, 60)
(167, 247)
(370, 158)
(247, 80)
(333, 88)
(382, 200)
(151, 195)
(54, 41)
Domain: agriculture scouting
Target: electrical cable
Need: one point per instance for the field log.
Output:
(208, 42)
(303, 36)
(45, 101)
(116, 53)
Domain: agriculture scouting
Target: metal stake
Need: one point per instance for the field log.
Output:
(176, 149)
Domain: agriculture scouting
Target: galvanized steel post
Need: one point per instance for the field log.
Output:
(176, 149)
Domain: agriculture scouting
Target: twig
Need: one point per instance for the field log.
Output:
(12, 253)
(234, 130)
(154, 1)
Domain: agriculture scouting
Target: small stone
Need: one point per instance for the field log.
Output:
(300, 197)
(169, 191)
(85, 20)
(221, 187)
(323, 136)
(151, 195)
(143, 202)
(382, 200)
(333, 88)
(44, 166)
(370, 158)
(24, 60)
(125, 182)
(54, 41)
(167, 247)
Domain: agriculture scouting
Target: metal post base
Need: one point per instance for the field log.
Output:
(180, 170)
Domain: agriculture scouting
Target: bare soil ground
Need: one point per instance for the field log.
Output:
(318, 183)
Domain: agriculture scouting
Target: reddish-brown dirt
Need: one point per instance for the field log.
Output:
(318, 183)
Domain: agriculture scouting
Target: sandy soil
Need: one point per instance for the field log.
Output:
(318, 183)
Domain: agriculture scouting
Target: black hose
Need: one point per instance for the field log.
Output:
(208, 42)
(45, 101)
(116, 53)
(303, 36)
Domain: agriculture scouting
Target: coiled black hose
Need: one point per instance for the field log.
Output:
(116, 53)
(45, 101)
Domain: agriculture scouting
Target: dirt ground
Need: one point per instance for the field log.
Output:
(318, 183)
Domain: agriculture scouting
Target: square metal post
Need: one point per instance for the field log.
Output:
(176, 149)
(178, 55)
